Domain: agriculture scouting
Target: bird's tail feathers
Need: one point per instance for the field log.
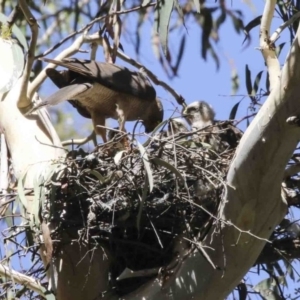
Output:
(69, 92)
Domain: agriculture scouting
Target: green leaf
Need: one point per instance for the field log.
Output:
(268, 82)
(164, 9)
(242, 289)
(234, 111)
(256, 83)
(237, 23)
(36, 201)
(206, 21)
(171, 168)
(118, 156)
(279, 49)
(179, 57)
(11, 63)
(8, 217)
(214, 56)
(248, 80)
(221, 19)
(95, 173)
(252, 24)
(146, 162)
(289, 269)
(235, 84)
(265, 289)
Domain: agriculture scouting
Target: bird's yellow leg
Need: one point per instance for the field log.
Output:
(100, 130)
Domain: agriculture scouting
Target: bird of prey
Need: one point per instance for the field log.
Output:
(199, 114)
(100, 90)
(221, 136)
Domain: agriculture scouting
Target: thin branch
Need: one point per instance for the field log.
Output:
(22, 279)
(80, 142)
(89, 25)
(275, 36)
(266, 47)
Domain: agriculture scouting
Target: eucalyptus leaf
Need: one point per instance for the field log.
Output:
(164, 9)
(146, 164)
(11, 64)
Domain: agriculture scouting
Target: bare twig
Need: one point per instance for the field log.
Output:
(80, 142)
(13, 16)
(89, 25)
(22, 279)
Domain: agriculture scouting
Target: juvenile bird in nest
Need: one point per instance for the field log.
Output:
(201, 117)
(170, 136)
(100, 90)
(175, 127)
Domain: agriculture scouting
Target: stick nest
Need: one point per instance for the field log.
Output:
(138, 202)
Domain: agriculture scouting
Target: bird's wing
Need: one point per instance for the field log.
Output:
(68, 92)
(59, 78)
(112, 76)
(62, 79)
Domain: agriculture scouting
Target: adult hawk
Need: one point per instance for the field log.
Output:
(221, 136)
(100, 90)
